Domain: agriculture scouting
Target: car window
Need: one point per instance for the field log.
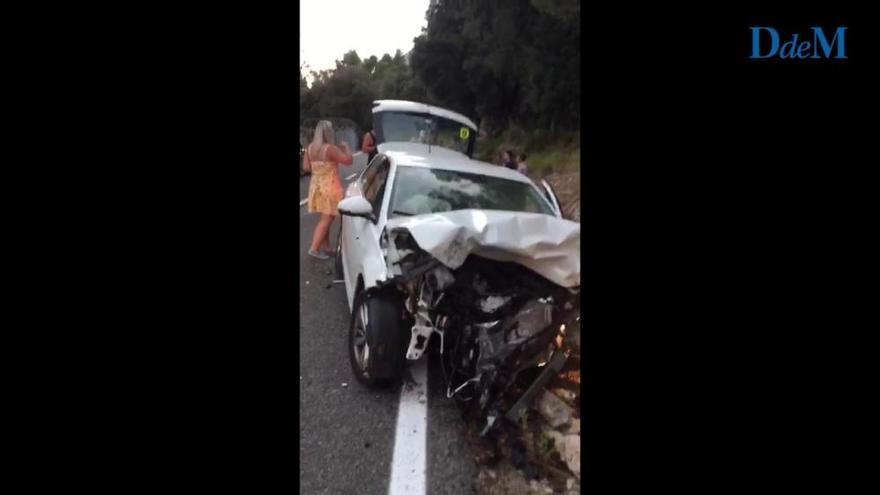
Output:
(419, 190)
(374, 182)
(369, 172)
(427, 129)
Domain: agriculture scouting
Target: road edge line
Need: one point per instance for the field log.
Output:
(409, 457)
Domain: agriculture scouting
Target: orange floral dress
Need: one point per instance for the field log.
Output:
(325, 185)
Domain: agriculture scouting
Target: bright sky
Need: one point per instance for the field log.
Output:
(329, 28)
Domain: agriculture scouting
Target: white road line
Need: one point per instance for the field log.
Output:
(303, 202)
(409, 461)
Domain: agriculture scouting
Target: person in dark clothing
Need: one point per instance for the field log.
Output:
(521, 165)
(507, 160)
(369, 145)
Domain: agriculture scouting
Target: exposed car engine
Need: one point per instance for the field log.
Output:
(494, 320)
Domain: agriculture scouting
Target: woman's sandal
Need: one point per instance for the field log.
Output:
(318, 254)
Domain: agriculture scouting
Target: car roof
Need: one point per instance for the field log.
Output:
(411, 106)
(417, 155)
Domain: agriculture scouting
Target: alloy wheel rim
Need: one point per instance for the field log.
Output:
(361, 347)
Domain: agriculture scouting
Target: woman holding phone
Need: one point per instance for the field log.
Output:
(322, 158)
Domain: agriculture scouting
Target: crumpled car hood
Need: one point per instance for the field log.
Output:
(547, 245)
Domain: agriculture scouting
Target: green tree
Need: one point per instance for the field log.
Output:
(350, 59)
(506, 63)
(512, 62)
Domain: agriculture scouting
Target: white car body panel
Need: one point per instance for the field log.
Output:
(418, 155)
(543, 243)
(546, 245)
(413, 107)
(361, 254)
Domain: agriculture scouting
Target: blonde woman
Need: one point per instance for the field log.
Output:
(322, 158)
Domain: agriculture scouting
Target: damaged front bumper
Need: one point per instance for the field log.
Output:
(499, 314)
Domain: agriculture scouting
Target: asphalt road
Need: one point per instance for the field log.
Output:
(347, 431)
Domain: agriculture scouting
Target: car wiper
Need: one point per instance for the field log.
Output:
(406, 213)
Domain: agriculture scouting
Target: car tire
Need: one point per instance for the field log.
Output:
(375, 346)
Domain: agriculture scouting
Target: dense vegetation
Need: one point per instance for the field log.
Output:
(349, 89)
(511, 65)
(515, 61)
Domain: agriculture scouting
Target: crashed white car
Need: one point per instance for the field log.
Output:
(438, 248)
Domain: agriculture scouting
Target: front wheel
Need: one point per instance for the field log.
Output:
(375, 339)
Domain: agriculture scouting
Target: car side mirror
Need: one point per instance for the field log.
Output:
(356, 206)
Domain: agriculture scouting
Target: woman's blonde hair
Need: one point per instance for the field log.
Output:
(323, 134)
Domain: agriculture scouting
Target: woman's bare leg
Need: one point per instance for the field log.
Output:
(321, 231)
(326, 242)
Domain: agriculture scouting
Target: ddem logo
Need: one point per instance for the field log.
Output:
(820, 47)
